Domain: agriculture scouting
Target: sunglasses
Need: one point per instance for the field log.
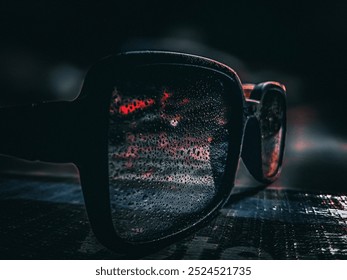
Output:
(157, 138)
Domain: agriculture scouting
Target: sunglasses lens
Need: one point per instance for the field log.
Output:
(168, 143)
(272, 125)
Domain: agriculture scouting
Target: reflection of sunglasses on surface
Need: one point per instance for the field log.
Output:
(157, 138)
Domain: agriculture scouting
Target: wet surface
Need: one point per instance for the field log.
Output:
(301, 216)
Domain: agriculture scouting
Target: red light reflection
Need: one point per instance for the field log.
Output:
(185, 101)
(165, 97)
(135, 105)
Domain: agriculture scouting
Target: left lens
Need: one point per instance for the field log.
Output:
(168, 144)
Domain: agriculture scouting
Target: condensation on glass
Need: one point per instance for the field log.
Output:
(167, 149)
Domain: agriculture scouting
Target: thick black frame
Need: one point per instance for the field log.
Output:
(77, 132)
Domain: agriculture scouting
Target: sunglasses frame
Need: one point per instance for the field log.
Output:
(77, 132)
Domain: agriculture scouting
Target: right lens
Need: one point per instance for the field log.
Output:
(272, 127)
(168, 144)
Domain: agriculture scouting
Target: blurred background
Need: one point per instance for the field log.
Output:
(47, 46)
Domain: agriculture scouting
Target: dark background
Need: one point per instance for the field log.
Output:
(303, 39)
(46, 48)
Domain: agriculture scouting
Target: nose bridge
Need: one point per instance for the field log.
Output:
(247, 89)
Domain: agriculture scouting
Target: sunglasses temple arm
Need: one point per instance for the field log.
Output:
(38, 132)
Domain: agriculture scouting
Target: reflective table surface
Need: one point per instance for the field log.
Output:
(303, 215)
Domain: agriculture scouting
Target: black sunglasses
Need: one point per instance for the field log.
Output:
(157, 138)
